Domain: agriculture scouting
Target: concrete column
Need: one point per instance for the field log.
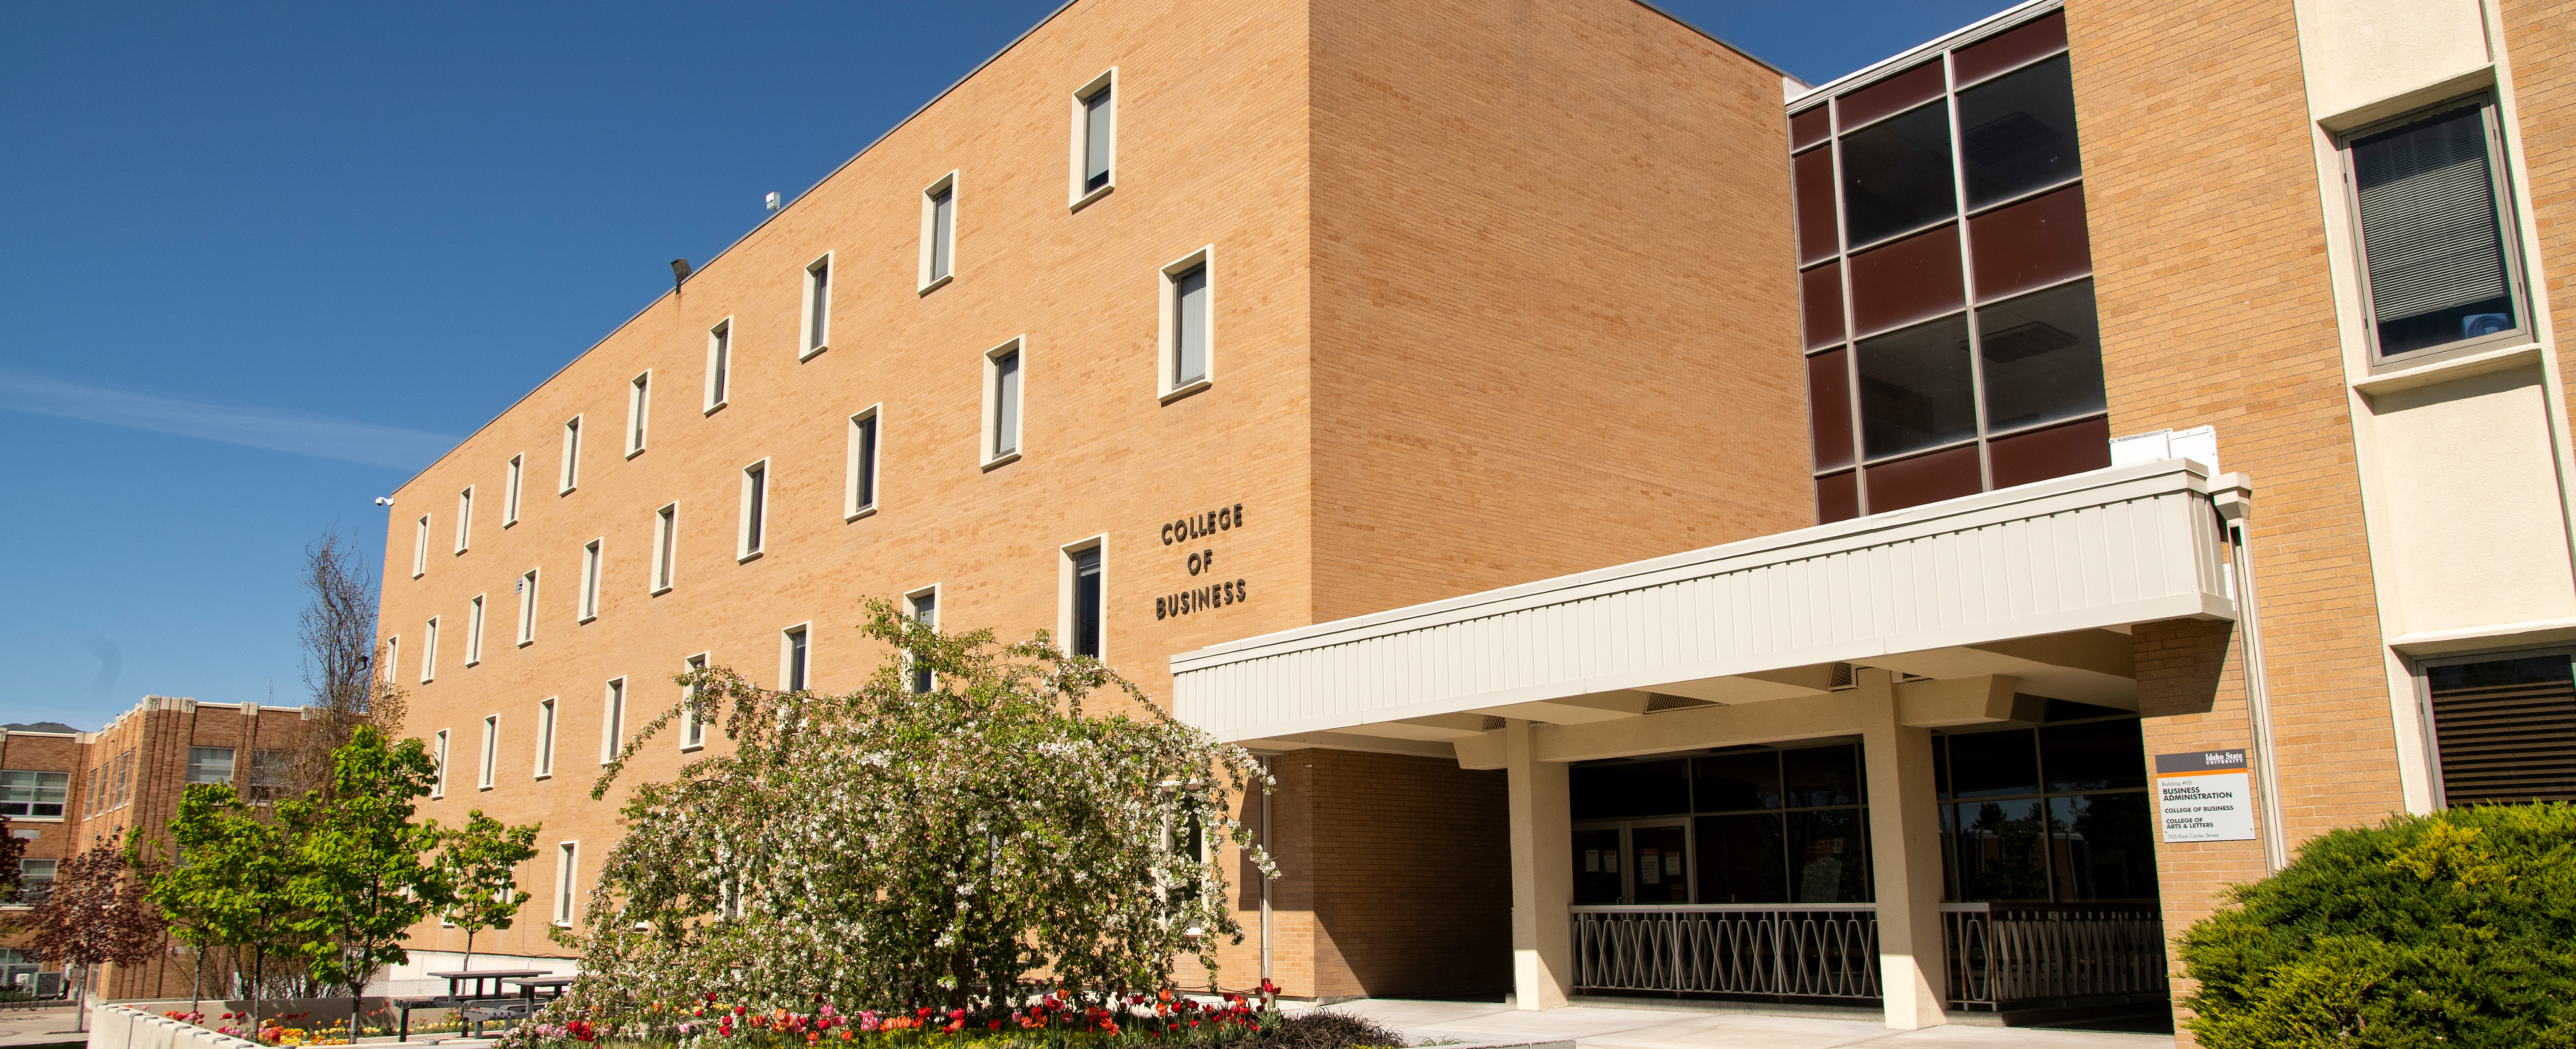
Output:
(1542, 874)
(1905, 856)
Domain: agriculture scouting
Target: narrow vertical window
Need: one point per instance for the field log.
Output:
(438, 764)
(545, 737)
(464, 518)
(420, 548)
(590, 581)
(693, 732)
(1002, 387)
(474, 631)
(2439, 270)
(666, 535)
(755, 510)
(510, 494)
(925, 611)
(817, 320)
(393, 658)
(639, 404)
(491, 743)
(862, 482)
(792, 657)
(939, 232)
(1095, 141)
(612, 720)
(571, 456)
(719, 362)
(528, 607)
(564, 856)
(1188, 326)
(1083, 629)
(429, 651)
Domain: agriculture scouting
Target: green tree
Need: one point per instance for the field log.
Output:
(480, 863)
(890, 846)
(361, 873)
(2456, 930)
(227, 885)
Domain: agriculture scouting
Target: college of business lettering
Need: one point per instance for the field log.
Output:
(1218, 593)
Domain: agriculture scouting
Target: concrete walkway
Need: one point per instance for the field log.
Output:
(1600, 1027)
(39, 1025)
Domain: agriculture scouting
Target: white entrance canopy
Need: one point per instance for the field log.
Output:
(2037, 584)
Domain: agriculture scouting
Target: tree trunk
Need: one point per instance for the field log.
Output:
(80, 1000)
(469, 947)
(197, 982)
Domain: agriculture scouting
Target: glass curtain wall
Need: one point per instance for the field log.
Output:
(2054, 813)
(1744, 825)
(1945, 278)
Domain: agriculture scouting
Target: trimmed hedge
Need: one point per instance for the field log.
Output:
(2455, 930)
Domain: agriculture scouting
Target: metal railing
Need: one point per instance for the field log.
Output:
(2001, 953)
(1998, 954)
(1812, 950)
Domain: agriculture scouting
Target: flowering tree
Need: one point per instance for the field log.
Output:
(905, 847)
(11, 848)
(95, 912)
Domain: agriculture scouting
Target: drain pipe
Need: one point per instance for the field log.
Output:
(1265, 878)
(2233, 496)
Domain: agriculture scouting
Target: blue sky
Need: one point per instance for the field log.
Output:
(265, 260)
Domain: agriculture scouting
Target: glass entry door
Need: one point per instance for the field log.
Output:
(1632, 862)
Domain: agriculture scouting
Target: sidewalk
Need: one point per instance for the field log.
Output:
(39, 1026)
(1598, 1027)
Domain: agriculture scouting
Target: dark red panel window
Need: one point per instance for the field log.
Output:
(1924, 479)
(1829, 408)
(1820, 300)
(1994, 54)
(1812, 175)
(1808, 128)
(1837, 498)
(2054, 452)
(1895, 94)
(1907, 280)
(2038, 241)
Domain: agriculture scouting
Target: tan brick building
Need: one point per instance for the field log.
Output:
(70, 791)
(1713, 515)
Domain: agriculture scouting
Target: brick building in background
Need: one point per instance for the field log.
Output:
(67, 791)
(1631, 513)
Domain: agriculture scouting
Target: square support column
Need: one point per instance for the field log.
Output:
(1542, 874)
(1905, 857)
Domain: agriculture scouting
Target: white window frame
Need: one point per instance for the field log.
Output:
(930, 227)
(750, 541)
(570, 477)
(429, 652)
(612, 719)
(567, 861)
(438, 765)
(510, 497)
(693, 735)
(546, 711)
(474, 630)
(788, 671)
(590, 573)
(527, 608)
(1075, 195)
(1168, 361)
(666, 554)
(814, 319)
(1064, 591)
(392, 665)
(420, 549)
(986, 447)
(912, 610)
(464, 519)
(863, 473)
(491, 746)
(639, 409)
(719, 365)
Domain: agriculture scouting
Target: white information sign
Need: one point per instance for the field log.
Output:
(2206, 795)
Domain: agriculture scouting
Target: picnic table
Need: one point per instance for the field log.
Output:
(477, 996)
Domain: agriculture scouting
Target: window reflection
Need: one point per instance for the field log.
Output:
(1916, 390)
(1896, 175)
(2017, 133)
(2043, 357)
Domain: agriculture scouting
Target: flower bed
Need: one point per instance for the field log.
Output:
(273, 1030)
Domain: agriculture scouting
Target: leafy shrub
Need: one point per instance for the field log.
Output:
(1324, 1029)
(2456, 930)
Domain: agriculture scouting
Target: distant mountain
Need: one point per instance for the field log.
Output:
(38, 726)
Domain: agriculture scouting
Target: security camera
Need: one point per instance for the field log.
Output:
(384, 500)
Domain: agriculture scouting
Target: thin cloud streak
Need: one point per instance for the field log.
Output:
(276, 431)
